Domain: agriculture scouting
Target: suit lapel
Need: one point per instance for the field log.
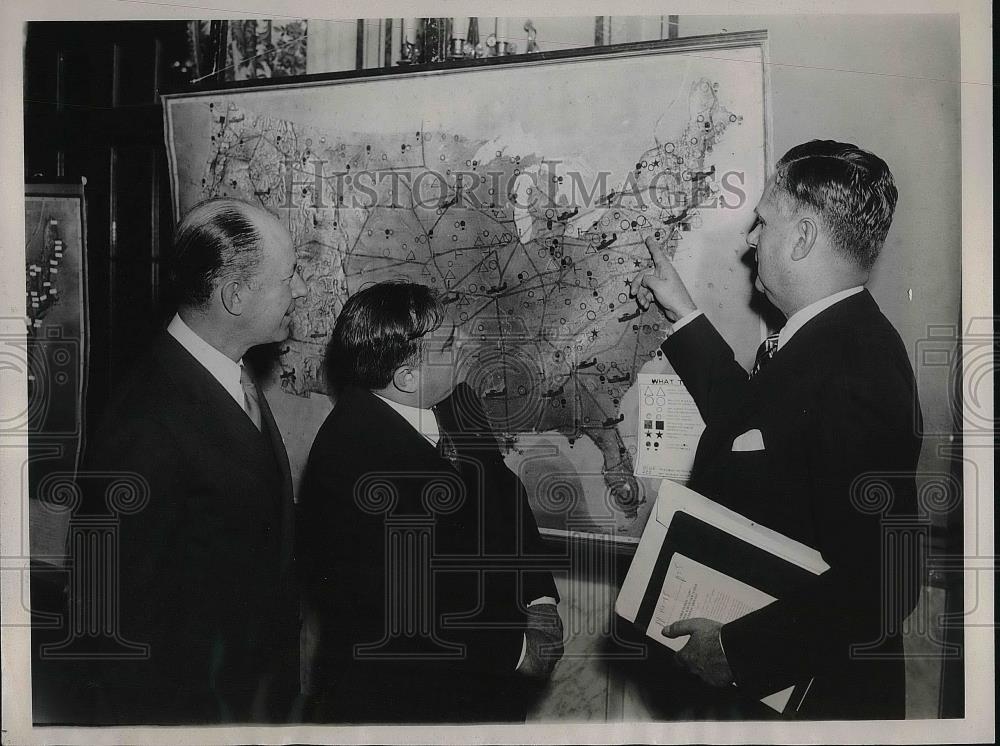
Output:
(801, 348)
(280, 453)
(214, 412)
(413, 447)
(286, 498)
(772, 379)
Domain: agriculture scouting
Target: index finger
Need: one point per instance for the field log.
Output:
(656, 252)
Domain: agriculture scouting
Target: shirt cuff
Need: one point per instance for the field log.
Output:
(524, 638)
(687, 319)
(544, 600)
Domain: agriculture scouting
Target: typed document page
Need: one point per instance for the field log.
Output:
(692, 589)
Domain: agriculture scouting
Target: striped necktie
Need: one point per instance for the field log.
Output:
(764, 353)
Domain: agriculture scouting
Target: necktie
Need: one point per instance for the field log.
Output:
(764, 353)
(250, 401)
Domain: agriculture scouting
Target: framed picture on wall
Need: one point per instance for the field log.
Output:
(55, 356)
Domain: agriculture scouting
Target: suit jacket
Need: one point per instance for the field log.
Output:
(419, 571)
(205, 567)
(838, 412)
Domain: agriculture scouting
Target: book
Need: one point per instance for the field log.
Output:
(697, 558)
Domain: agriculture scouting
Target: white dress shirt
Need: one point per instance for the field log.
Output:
(223, 369)
(803, 315)
(797, 320)
(424, 421)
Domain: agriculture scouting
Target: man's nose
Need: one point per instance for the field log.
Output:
(751, 237)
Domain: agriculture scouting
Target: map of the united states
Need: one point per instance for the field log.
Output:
(532, 254)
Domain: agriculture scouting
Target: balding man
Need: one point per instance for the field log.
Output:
(205, 566)
(819, 441)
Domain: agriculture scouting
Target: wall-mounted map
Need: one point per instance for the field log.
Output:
(524, 193)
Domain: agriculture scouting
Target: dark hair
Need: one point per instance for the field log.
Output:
(378, 330)
(217, 239)
(850, 188)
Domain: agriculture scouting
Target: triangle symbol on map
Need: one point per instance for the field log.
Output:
(464, 301)
(591, 249)
(661, 392)
(426, 271)
(478, 242)
(411, 256)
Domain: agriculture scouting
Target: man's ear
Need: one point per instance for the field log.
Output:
(404, 378)
(806, 231)
(233, 295)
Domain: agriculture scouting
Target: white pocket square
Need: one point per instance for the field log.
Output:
(751, 440)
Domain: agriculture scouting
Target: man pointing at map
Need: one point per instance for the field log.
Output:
(830, 401)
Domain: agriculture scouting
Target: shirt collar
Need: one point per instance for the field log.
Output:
(424, 421)
(224, 370)
(804, 315)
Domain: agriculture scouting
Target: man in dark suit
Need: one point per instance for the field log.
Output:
(421, 558)
(820, 442)
(205, 566)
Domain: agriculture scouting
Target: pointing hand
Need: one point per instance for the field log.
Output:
(663, 285)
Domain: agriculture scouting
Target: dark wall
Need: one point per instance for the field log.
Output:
(92, 110)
